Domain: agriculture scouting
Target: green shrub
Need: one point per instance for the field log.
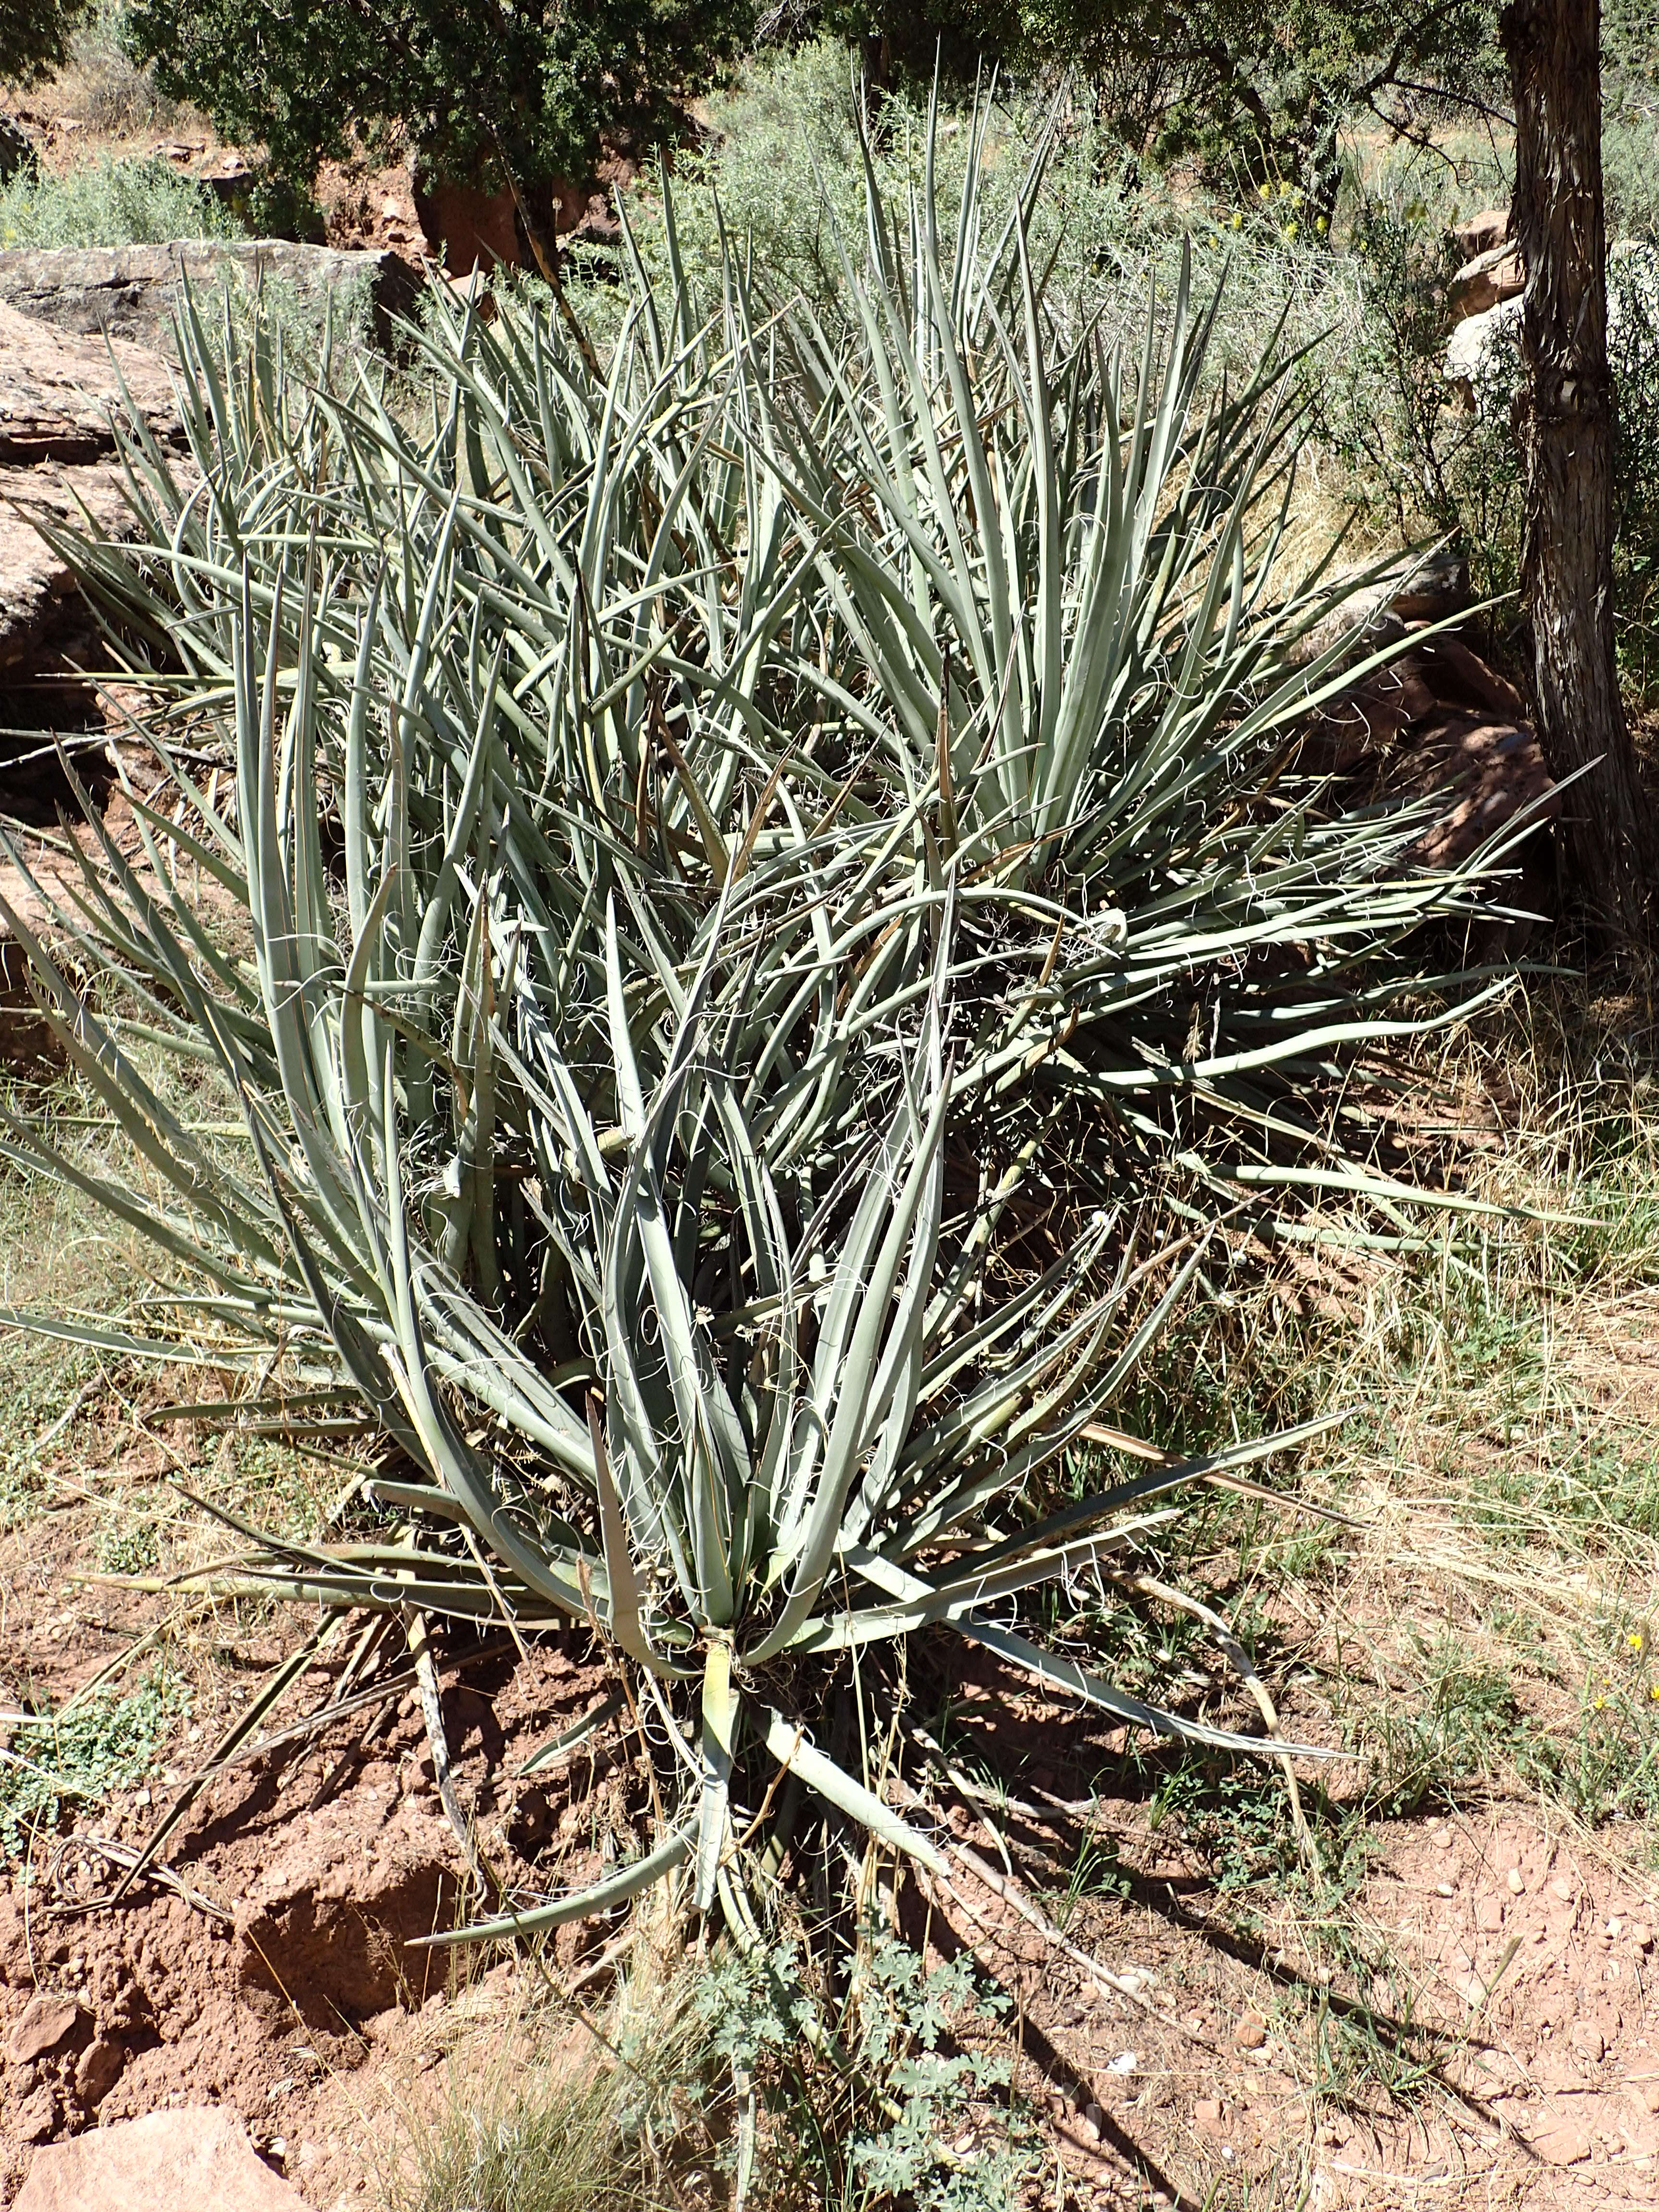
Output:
(130, 203)
(749, 848)
(35, 37)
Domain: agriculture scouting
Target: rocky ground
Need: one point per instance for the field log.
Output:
(1504, 2053)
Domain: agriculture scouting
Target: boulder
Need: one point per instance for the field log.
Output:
(1479, 233)
(58, 457)
(1486, 281)
(1417, 587)
(1478, 348)
(199, 2156)
(130, 292)
(47, 2025)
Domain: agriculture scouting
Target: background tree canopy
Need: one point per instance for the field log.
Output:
(35, 37)
(479, 85)
(1226, 82)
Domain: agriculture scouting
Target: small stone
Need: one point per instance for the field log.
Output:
(1442, 1838)
(1649, 2095)
(1588, 2038)
(1563, 1889)
(1209, 2117)
(1444, 1889)
(99, 2070)
(1563, 2142)
(36, 2117)
(1094, 2123)
(1513, 1882)
(47, 2025)
(1616, 1929)
(1488, 1915)
(1641, 1934)
(1251, 2033)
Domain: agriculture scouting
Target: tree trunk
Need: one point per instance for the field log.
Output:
(1553, 49)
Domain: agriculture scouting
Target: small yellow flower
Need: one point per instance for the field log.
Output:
(1600, 1706)
(1238, 219)
(1290, 227)
(1266, 191)
(1653, 1692)
(1636, 1639)
(1284, 192)
(1321, 226)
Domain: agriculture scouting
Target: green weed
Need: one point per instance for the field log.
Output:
(81, 1755)
(911, 2111)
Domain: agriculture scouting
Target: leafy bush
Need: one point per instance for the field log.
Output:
(130, 203)
(1426, 452)
(877, 2118)
(35, 37)
(103, 86)
(743, 845)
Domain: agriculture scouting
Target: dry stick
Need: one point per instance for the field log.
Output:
(1012, 1894)
(1234, 1651)
(432, 1711)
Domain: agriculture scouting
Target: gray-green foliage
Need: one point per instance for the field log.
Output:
(98, 1744)
(874, 2116)
(127, 203)
(703, 843)
(781, 182)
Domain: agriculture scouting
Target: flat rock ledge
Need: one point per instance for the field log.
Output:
(130, 292)
(196, 2159)
(58, 457)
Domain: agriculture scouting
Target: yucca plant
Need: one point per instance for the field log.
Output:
(666, 826)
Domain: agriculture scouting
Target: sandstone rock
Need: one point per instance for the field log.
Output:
(1418, 588)
(1479, 233)
(56, 395)
(1557, 2142)
(57, 458)
(47, 2025)
(1489, 278)
(98, 2070)
(198, 2157)
(130, 291)
(1490, 772)
(1251, 2033)
(35, 2117)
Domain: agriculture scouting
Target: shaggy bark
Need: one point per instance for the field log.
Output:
(1554, 50)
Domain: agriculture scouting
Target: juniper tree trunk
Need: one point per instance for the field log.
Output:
(1554, 50)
